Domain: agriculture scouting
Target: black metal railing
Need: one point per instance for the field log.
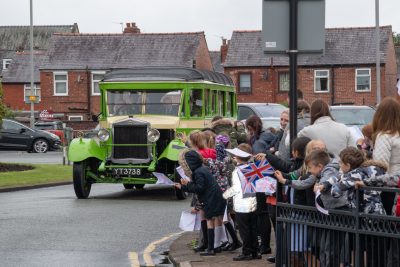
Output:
(307, 237)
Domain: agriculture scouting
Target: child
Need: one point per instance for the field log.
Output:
(355, 168)
(244, 207)
(208, 192)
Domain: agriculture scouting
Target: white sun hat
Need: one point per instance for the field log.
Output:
(239, 153)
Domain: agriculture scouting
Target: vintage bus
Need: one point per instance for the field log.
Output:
(145, 113)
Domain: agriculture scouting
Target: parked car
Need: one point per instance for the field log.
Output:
(16, 136)
(353, 115)
(262, 110)
(54, 127)
(269, 122)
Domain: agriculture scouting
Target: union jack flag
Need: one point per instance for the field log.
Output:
(252, 173)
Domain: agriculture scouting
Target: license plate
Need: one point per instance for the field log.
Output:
(127, 171)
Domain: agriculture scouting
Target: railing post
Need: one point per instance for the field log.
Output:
(356, 213)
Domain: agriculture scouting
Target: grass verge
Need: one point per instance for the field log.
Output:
(41, 174)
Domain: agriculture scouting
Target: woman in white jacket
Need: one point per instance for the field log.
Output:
(335, 135)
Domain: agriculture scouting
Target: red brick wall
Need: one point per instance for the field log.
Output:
(203, 59)
(14, 97)
(76, 103)
(391, 70)
(265, 85)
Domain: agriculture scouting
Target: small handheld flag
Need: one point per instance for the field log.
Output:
(252, 173)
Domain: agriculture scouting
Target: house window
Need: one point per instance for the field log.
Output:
(75, 118)
(321, 81)
(97, 76)
(60, 83)
(284, 83)
(363, 80)
(6, 63)
(245, 83)
(27, 92)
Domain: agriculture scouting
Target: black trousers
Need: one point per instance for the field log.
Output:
(247, 224)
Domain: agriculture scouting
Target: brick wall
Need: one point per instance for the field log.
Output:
(265, 84)
(14, 97)
(203, 59)
(391, 70)
(76, 103)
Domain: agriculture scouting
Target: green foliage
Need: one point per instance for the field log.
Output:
(396, 38)
(2, 106)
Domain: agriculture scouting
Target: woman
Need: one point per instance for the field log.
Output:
(335, 135)
(208, 192)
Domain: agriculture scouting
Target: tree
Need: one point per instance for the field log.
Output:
(2, 107)
(396, 38)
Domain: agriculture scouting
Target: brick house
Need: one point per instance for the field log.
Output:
(75, 63)
(345, 73)
(16, 39)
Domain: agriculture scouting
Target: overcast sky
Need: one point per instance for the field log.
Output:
(215, 17)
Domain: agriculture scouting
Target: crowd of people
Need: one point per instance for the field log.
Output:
(324, 159)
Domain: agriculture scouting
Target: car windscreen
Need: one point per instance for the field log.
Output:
(270, 110)
(150, 102)
(354, 116)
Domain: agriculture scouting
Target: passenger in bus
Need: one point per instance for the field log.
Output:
(127, 104)
(196, 103)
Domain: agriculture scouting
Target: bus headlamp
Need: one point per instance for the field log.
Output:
(103, 135)
(153, 135)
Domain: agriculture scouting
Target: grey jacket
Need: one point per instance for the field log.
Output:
(336, 136)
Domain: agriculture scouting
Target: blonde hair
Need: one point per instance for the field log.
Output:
(209, 138)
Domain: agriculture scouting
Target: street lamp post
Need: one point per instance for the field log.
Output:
(32, 95)
(378, 55)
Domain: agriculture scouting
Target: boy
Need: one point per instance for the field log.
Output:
(245, 208)
(355, 168)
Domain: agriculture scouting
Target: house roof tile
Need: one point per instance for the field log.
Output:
(343, 46)
(107, 51)
(19, 70)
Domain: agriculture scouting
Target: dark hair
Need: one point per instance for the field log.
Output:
(299, 144)
(299, 94)
(319, 108)
(387, 118)
(246, 148)
(353, 156)
(303, 107)
(318, 157)
(255, 122)
(216, 118)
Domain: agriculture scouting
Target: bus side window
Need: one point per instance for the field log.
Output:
(221, 100)
(213, 103)
(207, 102)
(196, 103)
(229, 104)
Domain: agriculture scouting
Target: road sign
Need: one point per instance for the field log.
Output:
(46, 114)
(310, 26)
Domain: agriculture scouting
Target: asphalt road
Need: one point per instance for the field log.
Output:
(52, 157)
(50, 227)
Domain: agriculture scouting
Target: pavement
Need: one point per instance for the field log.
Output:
(181, 254)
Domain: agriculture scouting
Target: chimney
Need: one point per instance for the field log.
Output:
(224, 49)
(131, 28)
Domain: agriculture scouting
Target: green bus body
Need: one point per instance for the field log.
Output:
(127, 156)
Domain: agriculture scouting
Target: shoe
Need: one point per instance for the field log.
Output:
(271, 259)
(235, 246)
(226, 247)
(243, 257)
(218, 250)
(208, 252)
(200, 248)
(265, 251)
(256, 256)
